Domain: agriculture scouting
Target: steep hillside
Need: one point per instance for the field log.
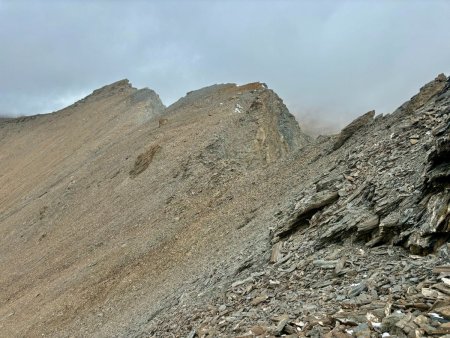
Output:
(104, 202)
(217, 216)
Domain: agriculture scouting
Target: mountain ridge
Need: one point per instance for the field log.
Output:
(123, 217)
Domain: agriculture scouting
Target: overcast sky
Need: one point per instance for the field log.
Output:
(334, 60)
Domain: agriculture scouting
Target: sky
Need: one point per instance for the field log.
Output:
(328, 60)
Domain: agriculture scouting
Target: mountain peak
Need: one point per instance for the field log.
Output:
(121, 86)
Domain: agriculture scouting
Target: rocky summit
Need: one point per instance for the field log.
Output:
(219, 217)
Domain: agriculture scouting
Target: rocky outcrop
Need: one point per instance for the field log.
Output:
(143, 160)
(265, 131)
(257, 127)
(427, 92)
(354, 126)
(148, 103)
(145, 102)
(303, 212)
(390, 193)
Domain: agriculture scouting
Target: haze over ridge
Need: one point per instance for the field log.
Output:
(326, 60)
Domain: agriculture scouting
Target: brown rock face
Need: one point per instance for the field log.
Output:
(218, 217)
(144, 160)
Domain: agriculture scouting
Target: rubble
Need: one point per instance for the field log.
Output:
(362, 251)
(385, 292)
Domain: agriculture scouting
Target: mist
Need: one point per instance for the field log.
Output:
(330, 61)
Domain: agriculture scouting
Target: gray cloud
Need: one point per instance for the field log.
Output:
(327, 60)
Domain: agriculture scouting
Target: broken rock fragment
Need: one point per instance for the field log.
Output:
(353, 127)
(304, 210)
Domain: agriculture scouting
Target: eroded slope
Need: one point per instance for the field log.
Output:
(110, 206)
(217, 216)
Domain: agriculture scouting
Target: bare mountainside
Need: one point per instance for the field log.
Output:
(217, 216)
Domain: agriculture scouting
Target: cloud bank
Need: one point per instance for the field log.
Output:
(327, 60)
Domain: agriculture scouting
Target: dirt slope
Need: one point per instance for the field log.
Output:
(107, 200)
(120, 217)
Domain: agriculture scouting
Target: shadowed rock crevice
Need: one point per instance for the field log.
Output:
(143, 160)
(304, 210)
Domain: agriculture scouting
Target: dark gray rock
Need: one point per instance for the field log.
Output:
(353, 127)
